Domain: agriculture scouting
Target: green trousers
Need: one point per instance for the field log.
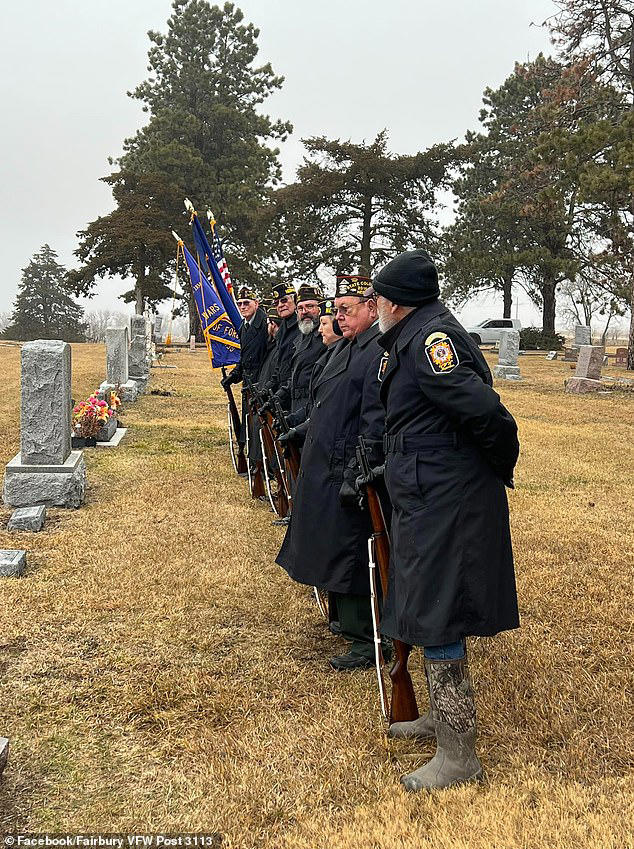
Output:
(355, 619)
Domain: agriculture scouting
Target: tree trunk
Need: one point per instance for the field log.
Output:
(630, 344)
(548, 312)
(366, 257)
(507, 289)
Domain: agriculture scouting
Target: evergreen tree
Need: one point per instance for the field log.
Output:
(357, 205)
(43, 308)
(206, 139)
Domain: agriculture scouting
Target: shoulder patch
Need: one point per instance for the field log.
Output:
(441, 353)
(383, 366)
(433, 336)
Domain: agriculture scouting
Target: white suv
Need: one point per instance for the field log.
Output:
(490, 330)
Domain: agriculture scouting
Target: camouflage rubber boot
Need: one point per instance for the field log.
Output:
(454, 713)
(418, 729)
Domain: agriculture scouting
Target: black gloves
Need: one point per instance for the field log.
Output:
(292, 435)
(226, 381)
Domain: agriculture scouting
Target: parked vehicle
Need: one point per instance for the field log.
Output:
(490, 330)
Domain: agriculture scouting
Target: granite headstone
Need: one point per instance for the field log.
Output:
(45, 471)
(507, 367)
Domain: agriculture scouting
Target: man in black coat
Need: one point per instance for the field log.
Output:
(293, 395)
(253, 345)
(451, 447)
(285, 302)
(326, 544)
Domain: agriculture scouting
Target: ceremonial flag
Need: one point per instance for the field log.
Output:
(207, 258)
(216, 246)
(223, 342)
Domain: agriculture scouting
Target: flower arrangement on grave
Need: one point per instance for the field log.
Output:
(90, 416)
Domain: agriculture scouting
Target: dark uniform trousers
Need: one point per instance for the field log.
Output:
(253, 346)
(326, 543)
(451, 447)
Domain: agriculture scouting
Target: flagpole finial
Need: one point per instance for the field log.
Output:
(211, 218)
(177, 237)
(189, 206)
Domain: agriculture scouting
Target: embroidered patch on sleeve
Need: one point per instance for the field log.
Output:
(442, 355)
(383, 366)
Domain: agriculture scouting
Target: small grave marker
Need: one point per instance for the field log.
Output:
(12, 563)
(28, 519)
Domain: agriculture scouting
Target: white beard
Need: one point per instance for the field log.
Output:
(386, 321)
(306, 326)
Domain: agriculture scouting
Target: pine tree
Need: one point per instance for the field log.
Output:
(596, 38)
(43, 308)
(206, 139)
(356, 205)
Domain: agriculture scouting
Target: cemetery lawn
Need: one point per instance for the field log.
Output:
(158, 671)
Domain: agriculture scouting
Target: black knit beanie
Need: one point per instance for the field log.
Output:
(410, 279)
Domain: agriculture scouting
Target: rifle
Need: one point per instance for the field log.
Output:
(279, 499)
(239, 460)
(403, 707)
(257, 486)
(291, 454)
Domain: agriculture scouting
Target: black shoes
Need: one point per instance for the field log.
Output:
(334, 627)
(351, 661)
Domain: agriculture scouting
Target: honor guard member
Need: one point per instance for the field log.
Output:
(450, 451)
(293, 395)
(267, 369)
(326, 543)
(285, 302)
(330, 334)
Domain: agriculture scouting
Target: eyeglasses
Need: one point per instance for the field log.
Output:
(243, 303)
(308, 307)
(284, 300)
(348, 309)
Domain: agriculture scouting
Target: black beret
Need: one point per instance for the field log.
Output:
(410, 279)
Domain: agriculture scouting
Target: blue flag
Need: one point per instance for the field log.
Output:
(206, 257)
(223, 342)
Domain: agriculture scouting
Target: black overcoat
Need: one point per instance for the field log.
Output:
(450, 447)
(293, 395)
(287, 336)
(253, 345)
(326, 543)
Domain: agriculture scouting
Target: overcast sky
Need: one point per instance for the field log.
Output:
(352, 68)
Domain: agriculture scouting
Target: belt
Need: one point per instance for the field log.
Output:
(403, 443)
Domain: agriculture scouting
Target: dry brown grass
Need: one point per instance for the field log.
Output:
(159, 672)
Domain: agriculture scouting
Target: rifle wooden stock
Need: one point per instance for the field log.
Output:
(291, 451)
(403, 707)
(280, 497)
(241, 460)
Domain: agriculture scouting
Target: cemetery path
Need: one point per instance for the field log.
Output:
(158, 672)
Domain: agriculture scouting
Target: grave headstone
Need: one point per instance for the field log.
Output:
(587, 376)
(28, 519)
(583, 335)
(192, 343)
(138, 363)
(507, 367)
(117, 373)
(12, 563)
(551, 355)
(45, 471)
(4, 753)
(158, 328)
